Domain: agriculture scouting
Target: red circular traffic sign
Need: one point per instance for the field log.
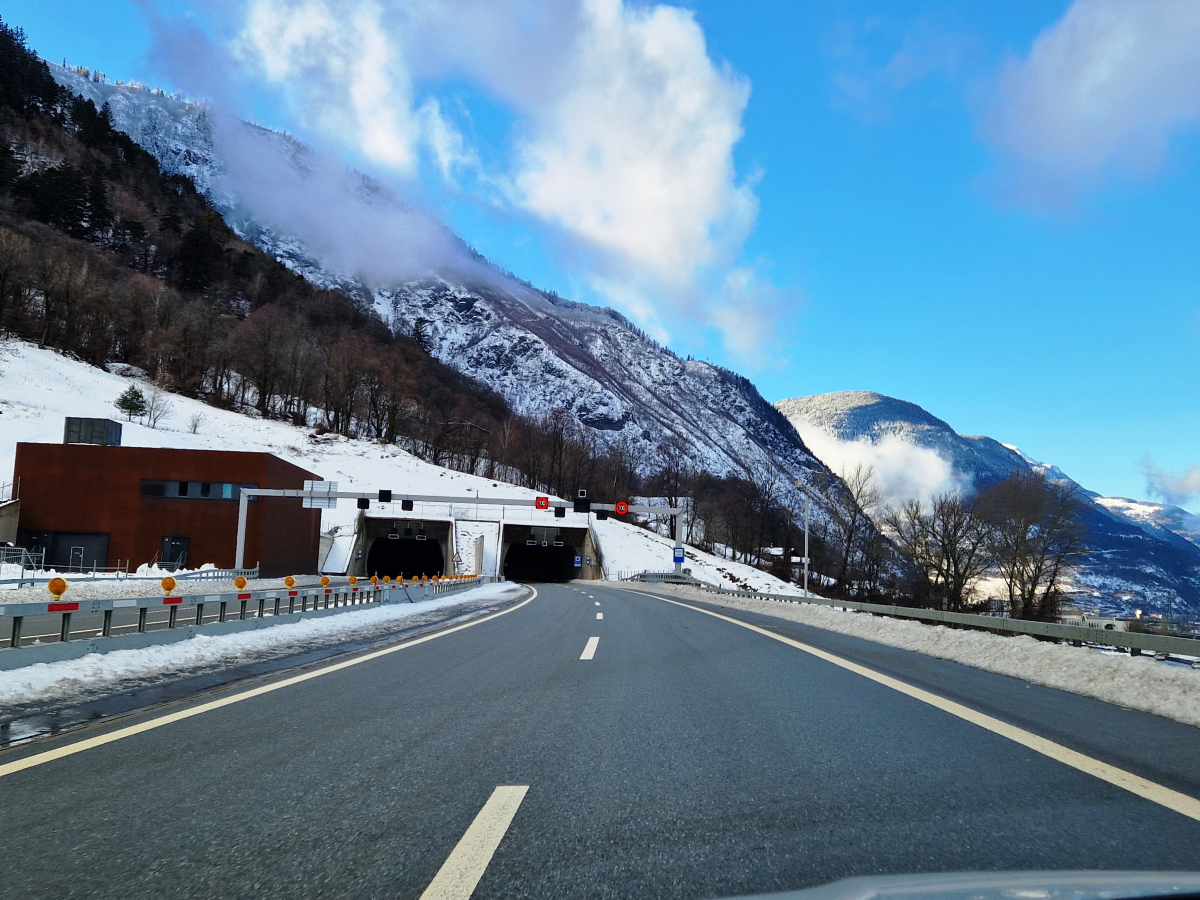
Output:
(542, 502)
(622, 507)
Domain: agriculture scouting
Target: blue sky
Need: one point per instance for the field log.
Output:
(925, 222)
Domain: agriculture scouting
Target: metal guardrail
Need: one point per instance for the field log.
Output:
(1135, 642)
(306, 598)
(665, 578)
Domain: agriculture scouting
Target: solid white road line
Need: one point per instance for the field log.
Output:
(599, 615)
(100, 740)
(589, 650)
(465, 865)
(1135, 784)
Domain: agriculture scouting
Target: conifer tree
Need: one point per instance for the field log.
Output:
(420, 333)
(132, 402)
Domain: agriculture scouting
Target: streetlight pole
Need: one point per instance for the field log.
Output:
(804, 559)
(807, 504)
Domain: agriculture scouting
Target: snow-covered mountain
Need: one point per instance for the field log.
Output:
(1142, 554)
(540, 351)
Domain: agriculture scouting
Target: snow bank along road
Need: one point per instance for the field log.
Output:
(595, 741)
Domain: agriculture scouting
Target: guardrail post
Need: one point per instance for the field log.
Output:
(106, 628)
(221, 617)
(64, 633)
(16, 631)
(242, 611)
(199, 613)
(142, 611)
(262, 606)
(304, 603)
(276, 606)
(171, 616)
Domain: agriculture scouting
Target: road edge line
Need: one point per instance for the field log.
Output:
(1184, 804)
(70, 749)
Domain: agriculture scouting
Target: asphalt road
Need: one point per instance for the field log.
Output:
(687, 758)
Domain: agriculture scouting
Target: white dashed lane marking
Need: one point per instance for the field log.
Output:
(460, 873)
(599, 615)
(589, 650)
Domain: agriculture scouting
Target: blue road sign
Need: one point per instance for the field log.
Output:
(678, 554)
(579, 560)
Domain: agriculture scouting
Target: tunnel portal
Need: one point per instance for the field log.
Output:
(405, 557)
(538, 563)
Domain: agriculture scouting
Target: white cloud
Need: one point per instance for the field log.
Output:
(623, 128)
(1175, 490)
(335, 64)
(635, 155)
(1102, 91)
(904, 471)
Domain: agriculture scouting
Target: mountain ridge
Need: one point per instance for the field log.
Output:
(543, 353)
(1132, 552)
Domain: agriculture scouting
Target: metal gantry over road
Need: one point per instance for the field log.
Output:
(326, 498)
(669, 749)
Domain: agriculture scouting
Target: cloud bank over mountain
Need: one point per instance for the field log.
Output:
(618, 143)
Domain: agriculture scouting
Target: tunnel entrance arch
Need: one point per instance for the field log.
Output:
(405, 557)
(538, 563)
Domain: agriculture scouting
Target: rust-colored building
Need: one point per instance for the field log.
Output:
(106, 506)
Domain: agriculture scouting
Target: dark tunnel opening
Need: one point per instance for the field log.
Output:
(406, 557)
(543, 564)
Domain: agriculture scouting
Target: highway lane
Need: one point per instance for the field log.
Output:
(687, 757)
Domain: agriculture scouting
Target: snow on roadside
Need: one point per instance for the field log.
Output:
(99, 674)
(628, 550)
(1140, 683)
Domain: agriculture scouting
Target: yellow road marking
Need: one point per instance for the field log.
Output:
(100, 740)
(465, 865)
(1135, 784)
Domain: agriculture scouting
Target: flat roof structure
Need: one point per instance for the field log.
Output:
(103, 506)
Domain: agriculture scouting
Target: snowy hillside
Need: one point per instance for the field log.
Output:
(39, 388)
(541, 352)
(1142, 554)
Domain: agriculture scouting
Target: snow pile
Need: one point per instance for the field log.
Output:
(630, 550)
(99, 674)
(1135, 682)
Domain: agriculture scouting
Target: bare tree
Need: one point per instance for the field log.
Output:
(948, 544)
(158, 405)
(1035, 537)
(849, 520)
(195, 421)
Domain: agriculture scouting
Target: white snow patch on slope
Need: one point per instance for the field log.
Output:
(103, 673)
(628, 550)
(1135, 682)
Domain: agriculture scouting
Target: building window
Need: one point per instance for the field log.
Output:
(194, 490)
